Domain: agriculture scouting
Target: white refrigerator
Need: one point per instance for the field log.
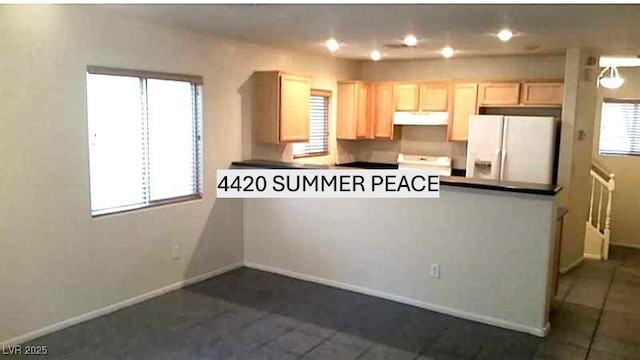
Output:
(512, 148)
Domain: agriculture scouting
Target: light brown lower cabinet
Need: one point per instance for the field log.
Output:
(354, 111)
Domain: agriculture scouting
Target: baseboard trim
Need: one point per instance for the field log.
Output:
(117, 306)
(632, 246)
(569, 267)
(541, 332)
(592, 256)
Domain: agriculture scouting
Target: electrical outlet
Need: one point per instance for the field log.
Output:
(435, 271)
(175, 252)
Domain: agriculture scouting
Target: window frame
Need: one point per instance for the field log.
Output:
(194, 80)
(636, 141)
(328, 95)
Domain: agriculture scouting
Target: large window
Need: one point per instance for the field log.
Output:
(318, 143)
(620, 127)
(144, 138)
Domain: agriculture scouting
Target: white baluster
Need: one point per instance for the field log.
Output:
(593, 183)
(607, 221)
(603, 229)
(600, 206)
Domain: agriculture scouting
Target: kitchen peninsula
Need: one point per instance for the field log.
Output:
(491, 244)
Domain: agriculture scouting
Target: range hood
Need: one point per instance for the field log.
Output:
(420, 118)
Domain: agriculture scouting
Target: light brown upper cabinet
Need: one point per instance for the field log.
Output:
(433, 97)
(354, 111)
(542, 93)
(499, 94)
(382, 106)
(281, 107)
(465, 98)
(406, 97)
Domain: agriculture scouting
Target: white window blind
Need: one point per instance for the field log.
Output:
(144, 138)
(318, 143)
(620, 127)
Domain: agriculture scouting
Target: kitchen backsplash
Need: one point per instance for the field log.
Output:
(384, 151)
(418, 140)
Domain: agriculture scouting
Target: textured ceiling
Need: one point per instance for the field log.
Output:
(470, 29)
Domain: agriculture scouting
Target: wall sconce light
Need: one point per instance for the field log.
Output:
(613, 80)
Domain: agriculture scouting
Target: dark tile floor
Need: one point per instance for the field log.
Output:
(248, 314)
(597, 315)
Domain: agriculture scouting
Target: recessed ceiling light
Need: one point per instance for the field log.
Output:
(375, 55)
(332, 45)
(505, 35)
(410, 40)
(447, 52)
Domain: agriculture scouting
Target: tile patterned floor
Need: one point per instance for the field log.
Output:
(598, 312)
(250, 315)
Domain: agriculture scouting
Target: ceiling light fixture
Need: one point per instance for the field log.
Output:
(613, 81)
(375, 55)
(619, 61)
(505, 35)
(410, 40)
(447, 52)
(332, 45)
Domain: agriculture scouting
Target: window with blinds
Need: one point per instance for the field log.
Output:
(145, 144)
(620, 127)
(318, 143)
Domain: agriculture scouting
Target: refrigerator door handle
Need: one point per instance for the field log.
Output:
(497, 164)
(503, 165)
(503, 150)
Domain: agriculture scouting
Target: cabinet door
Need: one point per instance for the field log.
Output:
(499, 94)
(406, 97)
(347, 104)
(266, 107)
(295, 93)
(362, 114)
(550, 93)
(433, 97)
(465, 97)
(371, 111)
(383, 111)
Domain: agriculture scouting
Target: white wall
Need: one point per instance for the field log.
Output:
(493, 248)
(58, 262)
(467, 69)
(575, 154)
(625, 210)
(433, 140)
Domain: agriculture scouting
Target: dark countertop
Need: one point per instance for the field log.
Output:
(270, 164)
(368, 165)
(459, 181)
(509, 186)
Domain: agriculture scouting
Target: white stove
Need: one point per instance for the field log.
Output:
(441, 164)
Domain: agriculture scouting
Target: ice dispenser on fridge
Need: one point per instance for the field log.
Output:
(483, 165)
